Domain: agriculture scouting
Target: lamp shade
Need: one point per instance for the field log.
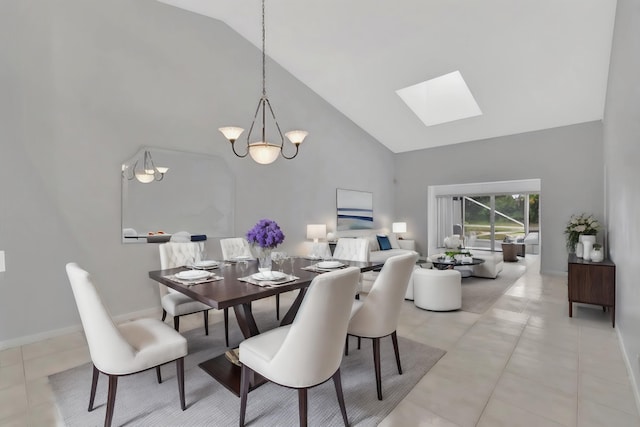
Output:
(399, 227)
(316, 231)
(263, 152)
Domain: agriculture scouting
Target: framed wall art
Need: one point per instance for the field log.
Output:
(355, 209)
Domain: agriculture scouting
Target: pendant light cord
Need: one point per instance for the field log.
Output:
(264, 74)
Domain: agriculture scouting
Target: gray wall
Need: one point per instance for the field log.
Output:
(567, 160)
(84, 84)
(622, 151)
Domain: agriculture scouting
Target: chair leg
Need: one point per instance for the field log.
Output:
(164, 314)
(226, 326)
(302, 406)
(159, 374)
(346, 346)
(94, 385)
(357, 296)
(245, 375)
(394, 338)
(376, 363)
(206, 321)
(359, 342)
(338, 383)
(180, 373)
(111, 399)
(176, 323)
(277, 306)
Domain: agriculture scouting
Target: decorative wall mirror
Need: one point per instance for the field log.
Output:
(166, 191)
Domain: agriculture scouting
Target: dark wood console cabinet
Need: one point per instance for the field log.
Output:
(592, 283)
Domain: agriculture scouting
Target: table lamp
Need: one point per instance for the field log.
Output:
(316, 231)
(399, 227)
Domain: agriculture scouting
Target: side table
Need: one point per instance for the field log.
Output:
(592, 283)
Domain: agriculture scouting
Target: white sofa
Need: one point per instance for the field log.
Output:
(398, 246)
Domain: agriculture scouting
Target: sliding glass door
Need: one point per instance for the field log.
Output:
(486, 221)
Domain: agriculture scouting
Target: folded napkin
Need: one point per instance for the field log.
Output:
(268, 283)
(212, 278)
(315, 268)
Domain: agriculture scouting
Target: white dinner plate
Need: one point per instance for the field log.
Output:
(242, 258)
(269, 275)
(192, 275)
(330, 264)
(205, 264)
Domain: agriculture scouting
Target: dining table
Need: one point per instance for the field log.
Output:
(230, 289)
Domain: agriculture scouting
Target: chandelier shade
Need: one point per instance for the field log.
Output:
(263, 151)
(146, 174)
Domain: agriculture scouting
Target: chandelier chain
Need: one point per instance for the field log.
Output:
(264, 73)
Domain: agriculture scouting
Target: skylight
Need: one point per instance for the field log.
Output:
(440, 100)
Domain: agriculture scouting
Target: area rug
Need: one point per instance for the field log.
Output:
(141, 401)
(479, 294)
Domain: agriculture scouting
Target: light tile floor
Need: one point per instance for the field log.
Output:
(522, 363)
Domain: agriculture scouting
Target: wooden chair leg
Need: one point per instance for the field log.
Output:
(159, 374)
(176, 323)
(302, 406)
(346, 346)
(94, 385)
(226, 326)
(180, 374)
(164, 314)
(245, 375)
(376, 363)
(111, 399)
(277, 306)
(206, 321)
(394, 338)
(359, 342)
(338, 383)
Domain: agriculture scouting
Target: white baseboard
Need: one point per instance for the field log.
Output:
(30, 339)
(628, 363)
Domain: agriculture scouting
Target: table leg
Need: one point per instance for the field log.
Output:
(570, 309)
(293, 310)
(246, 321)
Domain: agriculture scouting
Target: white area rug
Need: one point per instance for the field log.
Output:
(478, 294)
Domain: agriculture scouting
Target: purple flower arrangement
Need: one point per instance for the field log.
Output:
(266, 234)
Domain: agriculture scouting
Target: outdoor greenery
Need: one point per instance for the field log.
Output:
(477, 217)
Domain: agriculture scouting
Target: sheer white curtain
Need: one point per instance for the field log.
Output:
(444, 212)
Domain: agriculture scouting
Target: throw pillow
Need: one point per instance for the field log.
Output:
(384, 243)
(394, 241)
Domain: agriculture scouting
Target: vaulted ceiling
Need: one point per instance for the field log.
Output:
(529, 65)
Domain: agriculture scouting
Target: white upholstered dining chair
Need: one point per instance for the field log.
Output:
(309, 351)
(129, 348)
(234, 247)
(377, 316)
(177, 304)
(349, 249)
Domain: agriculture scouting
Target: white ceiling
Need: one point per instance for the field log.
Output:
(530, 65)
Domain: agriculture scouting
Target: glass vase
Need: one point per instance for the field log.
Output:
(264, 259)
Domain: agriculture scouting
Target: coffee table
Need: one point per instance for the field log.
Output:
(442, 264)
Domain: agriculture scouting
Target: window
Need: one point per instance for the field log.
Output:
(484, 212)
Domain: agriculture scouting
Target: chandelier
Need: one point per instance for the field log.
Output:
(264, 152)
(148, 173)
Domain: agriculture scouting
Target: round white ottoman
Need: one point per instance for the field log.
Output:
(437, 290)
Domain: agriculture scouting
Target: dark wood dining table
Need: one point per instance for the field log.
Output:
(231, 292)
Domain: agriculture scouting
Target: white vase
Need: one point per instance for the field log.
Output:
(579, 249)
(587, 244)
(597, 255)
